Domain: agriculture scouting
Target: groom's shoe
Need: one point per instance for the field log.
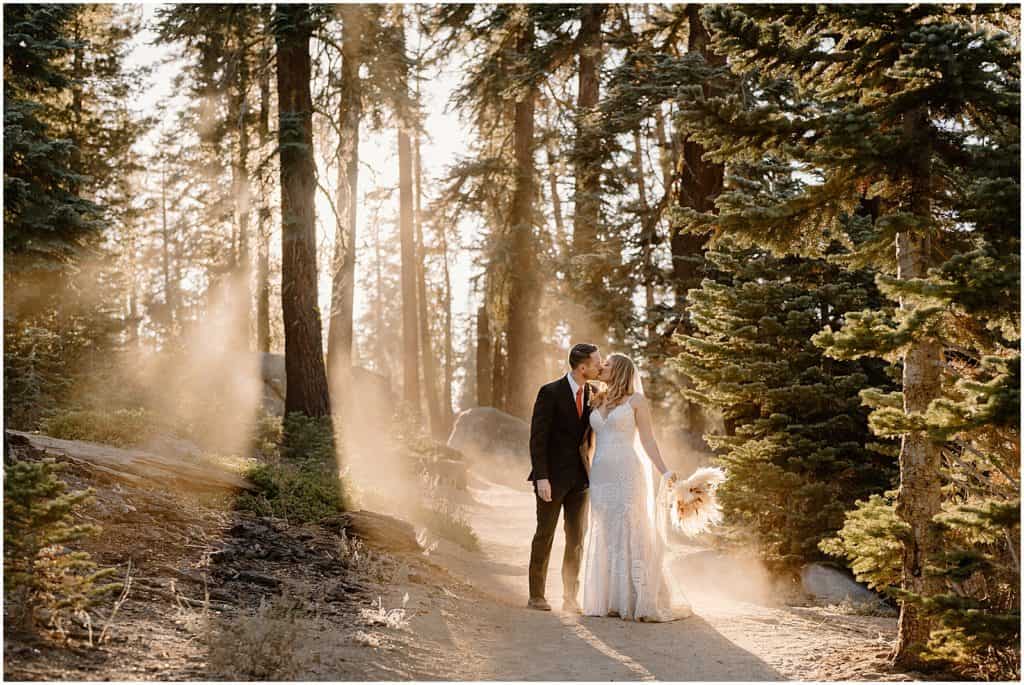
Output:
(570, 606)
(538, 603)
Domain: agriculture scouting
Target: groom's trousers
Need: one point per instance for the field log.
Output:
(574, 504)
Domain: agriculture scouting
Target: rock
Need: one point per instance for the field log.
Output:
(381, 530)
(171, 446)
(340, 591)
(272, 374)
(257, 578)
(736, 576)
(833, 586)
(497, 441)
(249, 529)
(376, 400)
(449, 472)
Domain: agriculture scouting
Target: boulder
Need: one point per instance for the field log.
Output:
(375, 401)
(831, 585)
(273, 376)
(381, 530)
(450, 472)
(375, 404)
(498, 442)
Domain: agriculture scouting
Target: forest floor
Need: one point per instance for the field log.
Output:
(288, 602)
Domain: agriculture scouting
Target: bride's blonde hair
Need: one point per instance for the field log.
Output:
(620, 381)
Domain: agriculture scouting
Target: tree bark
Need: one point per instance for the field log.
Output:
(484, 360)
(449, 347)
(306, 383)
(585, 280)
(698, 183)
(430, 379)
(263, 257)
(524, 288)
(556, 201)
(240, 173)
(340, 326)
(647, 222)
(919, 496)
(378, 302)
(498, 366)
(410, 346)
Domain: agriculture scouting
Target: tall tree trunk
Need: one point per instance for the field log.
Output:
(524, 287)
(170, 289)
(263, 283)
(556, 201)
(133, 341)
(263, 258)
(242, 193)
(410, 347)
(449, 347)
(587, 324)
(484, 360)
(647, 223)
(378, 302)
(697, 186)
(919, 496)
(340, 329)
(499, 364)
(306, 384)
(426, 347)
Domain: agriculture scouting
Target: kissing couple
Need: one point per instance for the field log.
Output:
(592, 452)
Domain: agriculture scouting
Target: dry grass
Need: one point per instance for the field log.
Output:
(389, 618)
(276, 641)
(375, 565)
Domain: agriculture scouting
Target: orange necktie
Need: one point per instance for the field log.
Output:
(579, 402)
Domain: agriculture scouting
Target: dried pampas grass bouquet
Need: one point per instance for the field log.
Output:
(693, 506)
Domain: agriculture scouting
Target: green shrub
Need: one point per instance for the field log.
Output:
(41, 575)
(446, 521)
(871, 540)
(35, 372)
(118, 427)
(297, 491)
(266, 440)
(977, 626)
(307, 438)
(303, 483)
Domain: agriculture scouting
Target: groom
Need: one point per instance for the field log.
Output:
(561, 415)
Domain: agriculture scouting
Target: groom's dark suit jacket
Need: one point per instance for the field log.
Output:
(555, 436)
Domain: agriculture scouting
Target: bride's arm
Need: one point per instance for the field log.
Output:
(646, 428)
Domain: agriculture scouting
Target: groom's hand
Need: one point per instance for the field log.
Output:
(544, 489)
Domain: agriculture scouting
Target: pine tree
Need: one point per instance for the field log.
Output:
(68, 165)
(307, 392)
(513, 48)
(797, 447)
(914, 109)
(42, 576)
(46, 220)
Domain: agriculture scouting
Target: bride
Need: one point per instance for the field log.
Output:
(627, 572)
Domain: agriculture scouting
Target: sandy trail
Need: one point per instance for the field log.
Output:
(727, 638)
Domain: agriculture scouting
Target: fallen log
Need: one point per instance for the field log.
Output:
(137, 466)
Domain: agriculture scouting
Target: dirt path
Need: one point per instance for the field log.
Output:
(728, 637)
(465, 611)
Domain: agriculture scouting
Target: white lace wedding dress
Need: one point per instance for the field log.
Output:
(626, 571)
